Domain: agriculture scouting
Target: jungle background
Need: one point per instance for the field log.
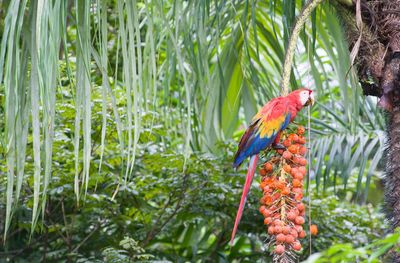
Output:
(119, 121)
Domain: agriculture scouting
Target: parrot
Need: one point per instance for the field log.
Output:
(264, 131)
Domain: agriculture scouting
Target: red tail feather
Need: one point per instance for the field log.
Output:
(249, 178)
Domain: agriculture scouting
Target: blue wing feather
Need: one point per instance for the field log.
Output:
(252, 142)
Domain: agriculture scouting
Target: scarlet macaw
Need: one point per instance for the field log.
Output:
(264, 130)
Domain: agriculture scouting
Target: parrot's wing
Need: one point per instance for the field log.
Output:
(266, 124)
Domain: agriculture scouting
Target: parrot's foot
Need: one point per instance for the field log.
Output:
(278, 146)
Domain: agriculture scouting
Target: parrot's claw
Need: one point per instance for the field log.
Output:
(278, 146)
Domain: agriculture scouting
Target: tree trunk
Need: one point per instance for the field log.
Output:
(378, 59)
(392, 180)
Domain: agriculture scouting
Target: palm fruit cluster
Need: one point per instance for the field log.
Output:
(281, 205)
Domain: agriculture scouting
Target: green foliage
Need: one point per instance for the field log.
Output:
(342, 223)
(374, 252)
(116, 121)
(177, 210)
(130, 252)
(199, 68)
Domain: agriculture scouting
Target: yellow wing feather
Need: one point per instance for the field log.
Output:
(268, 128)
(267, 125)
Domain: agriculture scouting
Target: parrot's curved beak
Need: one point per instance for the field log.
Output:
(310, 100)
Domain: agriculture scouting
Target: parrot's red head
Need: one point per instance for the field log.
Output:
(303, 97)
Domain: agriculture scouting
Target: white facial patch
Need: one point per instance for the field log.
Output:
(304, 96)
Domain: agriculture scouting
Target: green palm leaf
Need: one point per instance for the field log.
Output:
(199, 69)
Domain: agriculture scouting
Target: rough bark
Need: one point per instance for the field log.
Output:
(392, 179)
(378, 65)
(378, 58)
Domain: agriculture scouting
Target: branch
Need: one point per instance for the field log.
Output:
(301, 20)
(157, 227)
(87, 237)
(346, 2)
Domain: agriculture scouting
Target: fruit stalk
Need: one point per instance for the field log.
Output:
(281, 205)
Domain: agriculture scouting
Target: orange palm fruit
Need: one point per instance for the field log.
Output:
(302, 170)
(263, 184)
(286, 230)
(287, 168)
(299, 220)
(267, 220)
(268, 167)
(301, 140)
(302, 161)
(281, 238)
(268, 200)
(289, 239)
(262, 209)
(314, 230)
(278, 229)
(296, 246)
(299, 176)
(287, 143)
(296, 183)
(291, 216)
(301, 130)
(297, 190)
(266, 213)
(287, 155)
(294, 171)
(279, 250)
(300, 206)
(302, 150)
(263, 172)
(281, 185)
(271, 230)
(293, 148)
(294, 233)
(298, 196)
(285, 191)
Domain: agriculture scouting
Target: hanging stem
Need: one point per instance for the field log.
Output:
(308, 177)
(301, 20)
